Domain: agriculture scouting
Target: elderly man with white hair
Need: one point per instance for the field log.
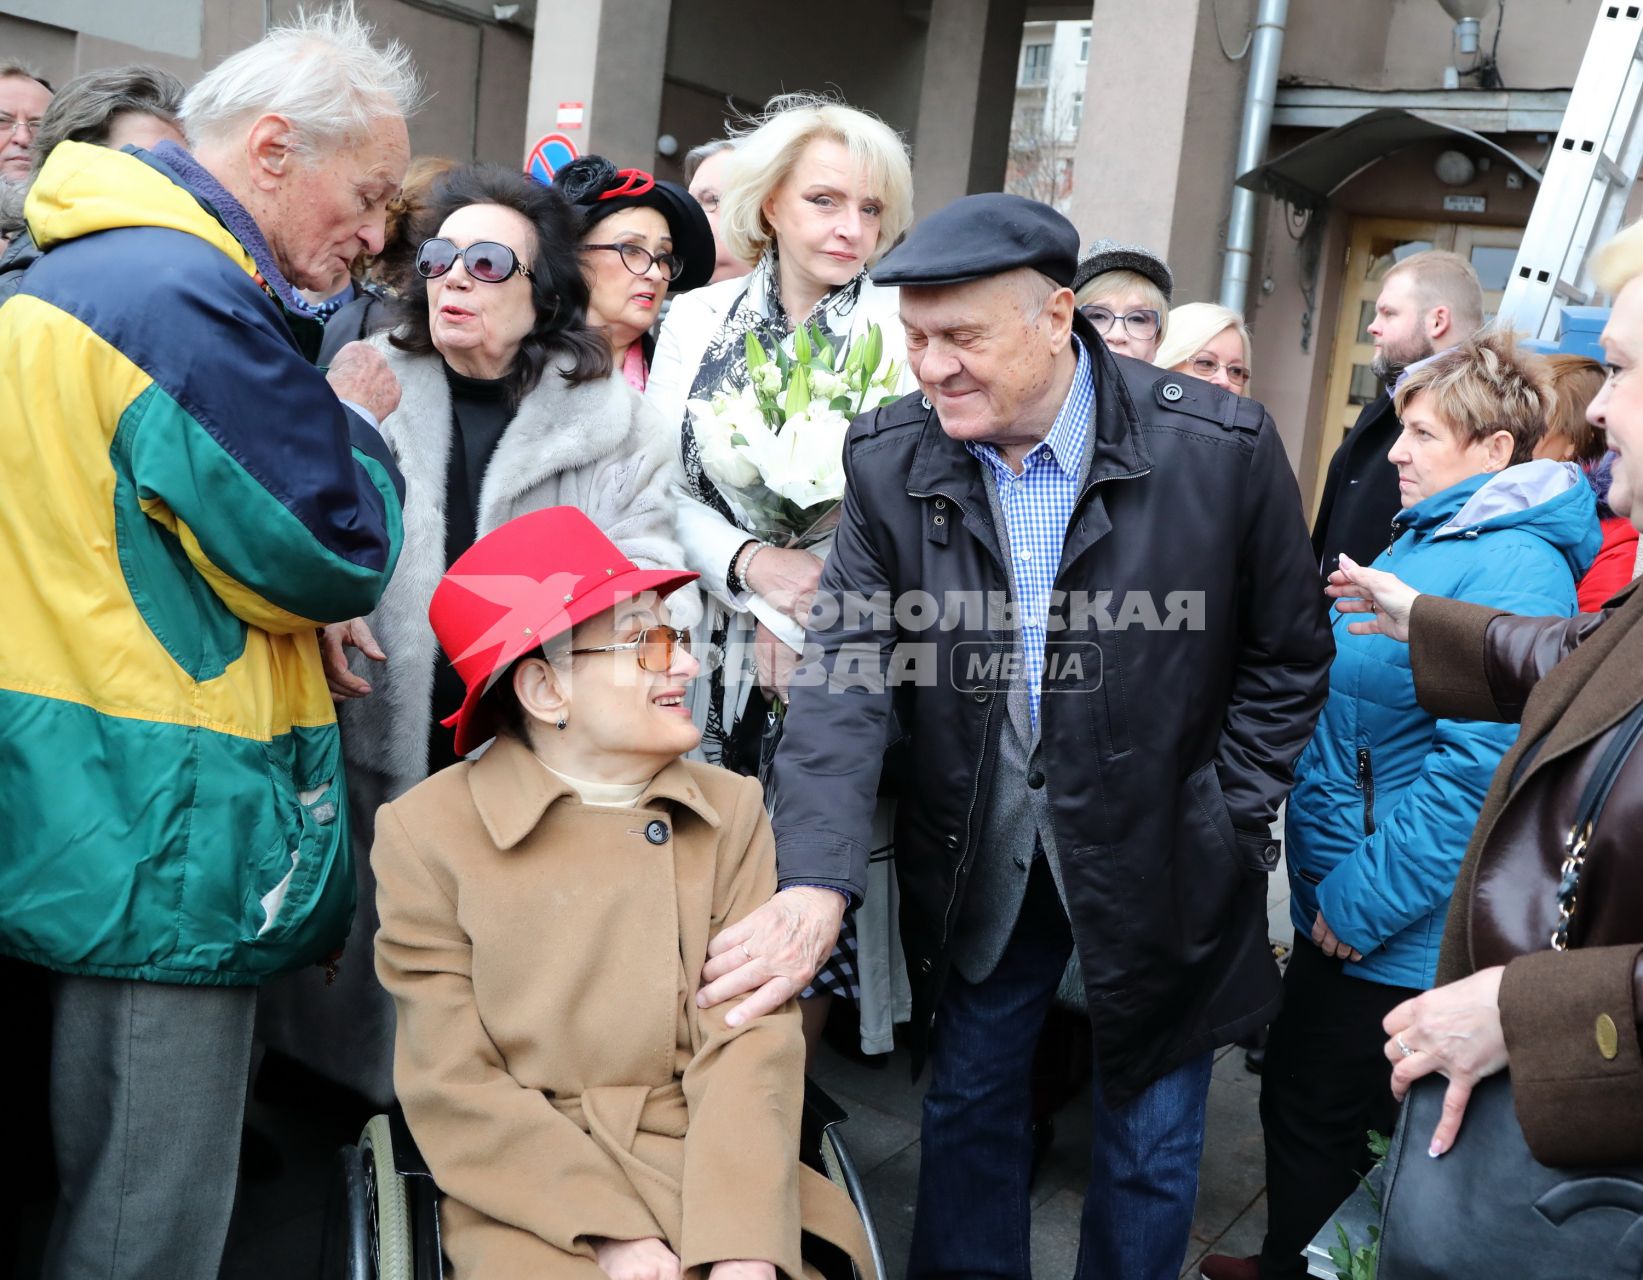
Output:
(184, 501)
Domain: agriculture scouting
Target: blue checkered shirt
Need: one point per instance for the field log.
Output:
(1038, 505)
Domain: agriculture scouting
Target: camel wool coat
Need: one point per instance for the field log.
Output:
(543, 956)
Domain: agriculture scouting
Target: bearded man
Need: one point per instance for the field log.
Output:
(1428, 303)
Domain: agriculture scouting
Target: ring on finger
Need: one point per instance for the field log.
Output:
(1402, 1047)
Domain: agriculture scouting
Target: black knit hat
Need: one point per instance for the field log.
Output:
(1108, 255)
(596, 188)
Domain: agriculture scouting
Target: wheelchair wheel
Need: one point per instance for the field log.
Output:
(390, 1219)
(841, 1170)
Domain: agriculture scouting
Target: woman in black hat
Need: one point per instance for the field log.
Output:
(641, 239)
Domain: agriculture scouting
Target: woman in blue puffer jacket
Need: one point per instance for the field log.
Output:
(1386, 795)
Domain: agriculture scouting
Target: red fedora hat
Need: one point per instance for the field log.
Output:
(520, 585)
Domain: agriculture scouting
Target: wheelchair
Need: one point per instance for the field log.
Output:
(382, 1214)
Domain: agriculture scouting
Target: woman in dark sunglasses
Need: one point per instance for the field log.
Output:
(508, 405)
(1210, 342)
(641, 241)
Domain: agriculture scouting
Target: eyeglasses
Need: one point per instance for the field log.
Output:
(9, 125)
(1205, 367)
(485, 260)
(655, 645)
(709, 200)
(1141, 325)
(638, 259)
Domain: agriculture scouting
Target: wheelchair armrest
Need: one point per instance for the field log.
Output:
(408, 1159)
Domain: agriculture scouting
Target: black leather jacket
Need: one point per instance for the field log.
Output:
(1166, 758)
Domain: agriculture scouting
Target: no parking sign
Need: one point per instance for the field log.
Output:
(549, 156)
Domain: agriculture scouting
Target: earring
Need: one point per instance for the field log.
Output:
(561, 723)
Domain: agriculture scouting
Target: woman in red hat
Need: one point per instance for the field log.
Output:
(546, 911)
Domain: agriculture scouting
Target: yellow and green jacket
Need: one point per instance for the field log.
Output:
(183, 501)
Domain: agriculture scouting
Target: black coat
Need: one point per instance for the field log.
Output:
(368, 312)
(1166, 759)
(1360, 490)
(20, 255)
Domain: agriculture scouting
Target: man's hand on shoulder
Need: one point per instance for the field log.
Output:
(773, 952)
(360, 373)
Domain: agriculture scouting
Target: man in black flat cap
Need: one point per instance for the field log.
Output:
(1082, 590)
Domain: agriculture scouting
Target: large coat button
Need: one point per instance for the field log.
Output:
(656, 832)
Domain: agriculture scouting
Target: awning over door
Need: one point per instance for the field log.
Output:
(1307, 175)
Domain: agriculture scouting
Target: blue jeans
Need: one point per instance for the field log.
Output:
(974, 1213)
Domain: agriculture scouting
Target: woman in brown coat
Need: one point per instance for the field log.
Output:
(1565, 1021)
(546, 911)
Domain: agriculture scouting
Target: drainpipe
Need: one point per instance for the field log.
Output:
(1268, 47)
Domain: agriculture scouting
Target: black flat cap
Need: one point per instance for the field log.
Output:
(983, 235)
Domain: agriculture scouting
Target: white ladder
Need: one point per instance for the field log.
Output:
(1583, 195)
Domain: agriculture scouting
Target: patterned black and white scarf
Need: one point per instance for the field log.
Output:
(758, 311)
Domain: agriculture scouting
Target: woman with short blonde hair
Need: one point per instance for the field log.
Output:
(1124, 290)
(767, 152)
(816, 191)
(1209, 342)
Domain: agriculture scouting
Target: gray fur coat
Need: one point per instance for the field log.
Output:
(598, 446)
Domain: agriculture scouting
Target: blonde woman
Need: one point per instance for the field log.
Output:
(1124, 290)
(815, 191)
(1208, 342)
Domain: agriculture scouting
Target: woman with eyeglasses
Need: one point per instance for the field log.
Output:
(1208, 342)
(546, 913)
(1124, 290)
(507, 406)
(641, 240)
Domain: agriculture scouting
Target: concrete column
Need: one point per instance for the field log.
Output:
(962, 139)
(608, 55)
(1157, 151)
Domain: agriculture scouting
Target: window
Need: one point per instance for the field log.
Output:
(1035, 64)
(1083, 45)
(1075, 116)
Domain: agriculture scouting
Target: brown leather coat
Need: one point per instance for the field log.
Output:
(1570, 681)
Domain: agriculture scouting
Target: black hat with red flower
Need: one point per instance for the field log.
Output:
(597, 189)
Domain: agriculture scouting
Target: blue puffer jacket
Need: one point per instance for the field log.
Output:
(1386, 795)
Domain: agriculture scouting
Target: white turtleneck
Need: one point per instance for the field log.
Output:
(609, 795)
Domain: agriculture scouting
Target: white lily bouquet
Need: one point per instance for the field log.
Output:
(775, 448)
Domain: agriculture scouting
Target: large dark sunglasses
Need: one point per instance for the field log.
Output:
(655, 645)
(1142, 325)
(637, 259)
(485, 260)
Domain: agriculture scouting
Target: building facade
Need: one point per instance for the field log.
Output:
(1126, 114)
(1049, 107)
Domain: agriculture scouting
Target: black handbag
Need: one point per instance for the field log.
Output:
(1487, 1209)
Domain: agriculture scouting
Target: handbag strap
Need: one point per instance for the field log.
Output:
(1592, 799)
